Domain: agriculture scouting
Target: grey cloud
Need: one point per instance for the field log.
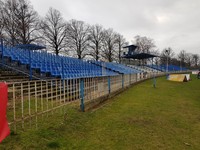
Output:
(172, 23)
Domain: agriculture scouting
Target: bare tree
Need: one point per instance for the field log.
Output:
(96, 37)
(188, 59)
(109, 45)
(20, 21)
(121, 42)
(175, 61)
(195, 59)
(156, 59)
(1, 19)
(27, 22)
(167, 55)
(78, 37)
(54, 30)
(9, 19)
(182, 57)
(145, 44)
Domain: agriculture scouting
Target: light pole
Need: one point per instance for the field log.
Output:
(180, 65)
(30, 70)
(167, 52)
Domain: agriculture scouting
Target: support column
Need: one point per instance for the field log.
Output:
(82, 94)
(109, 85)
(122, 81)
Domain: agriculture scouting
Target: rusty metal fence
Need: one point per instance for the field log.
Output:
(30, 99)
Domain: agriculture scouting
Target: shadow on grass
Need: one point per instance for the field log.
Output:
(53, 145)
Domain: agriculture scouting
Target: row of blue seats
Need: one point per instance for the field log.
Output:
(169, 68)
(65, 67)
(116, 67)
(23, 56)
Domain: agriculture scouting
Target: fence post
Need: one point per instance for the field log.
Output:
(154, 81)
(122, 81)
(108, 84)
(30, 70)
(62, 64)
(130, 79)
(82, 94)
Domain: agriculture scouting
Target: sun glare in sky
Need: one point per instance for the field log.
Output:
(162, 18)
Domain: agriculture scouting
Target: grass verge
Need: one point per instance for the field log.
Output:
(143, 117)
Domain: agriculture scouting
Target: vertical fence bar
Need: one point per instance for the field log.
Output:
(90, 85)
(82, 94)
(56, 90)
(60, 96)
(52, 94)
(68, 89)
(36, 109)
(77, 96)
(47, 96)
(65, 87)
(14, 113)
(29, 99)
(122, 81)
(41, 96)
(22, 105)
(72, 90)
(109, 85)
(154, 81)
(60, 82)
(36, 98)
(136, 77)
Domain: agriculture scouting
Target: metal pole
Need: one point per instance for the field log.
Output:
(167, 54)
(62, 65)
(154, 78)
(14, 108)
(30, 70)
(108, 84)
(180, 65)
(167, 65)
(122, 81)
(154, 81)
(22, 105)
(82, 95)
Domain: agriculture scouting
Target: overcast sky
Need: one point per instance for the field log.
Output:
(174, 23)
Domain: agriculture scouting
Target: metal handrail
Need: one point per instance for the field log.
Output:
(18, 70)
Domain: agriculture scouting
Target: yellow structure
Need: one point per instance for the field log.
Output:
(179, 77)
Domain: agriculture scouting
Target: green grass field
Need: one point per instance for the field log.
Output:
(166, 117)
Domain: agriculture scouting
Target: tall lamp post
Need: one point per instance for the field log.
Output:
(167, 52)
(180, 65)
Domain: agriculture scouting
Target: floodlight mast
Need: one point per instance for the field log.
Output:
(167, 52)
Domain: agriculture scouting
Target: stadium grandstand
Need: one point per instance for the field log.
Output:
(130, 53)
(39, 82)
(61, 66)
(48, 65)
